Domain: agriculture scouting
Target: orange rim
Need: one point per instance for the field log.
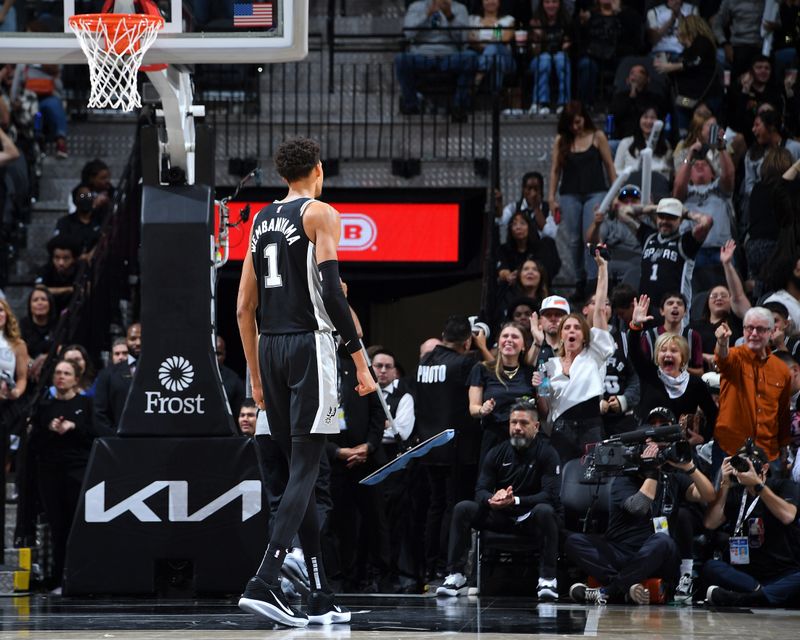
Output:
(92, 21)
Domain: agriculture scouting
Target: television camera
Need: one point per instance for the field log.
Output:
(622, 453)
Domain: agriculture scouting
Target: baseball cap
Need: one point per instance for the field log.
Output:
(661, 413)
(670, 207)
(555, 302)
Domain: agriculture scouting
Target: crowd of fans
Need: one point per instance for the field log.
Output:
(686, 200)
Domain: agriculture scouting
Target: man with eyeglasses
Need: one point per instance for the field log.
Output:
(397, 393)
(398, 488)
(755, 391)
(624, 248)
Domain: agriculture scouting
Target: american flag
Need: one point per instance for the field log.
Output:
(251, 14)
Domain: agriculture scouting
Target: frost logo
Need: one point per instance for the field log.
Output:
(359, 232)
(176, 373)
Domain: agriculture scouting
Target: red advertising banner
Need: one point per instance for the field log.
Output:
(378, 232)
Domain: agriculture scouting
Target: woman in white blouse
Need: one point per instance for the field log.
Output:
(630, 148)
(577, 374)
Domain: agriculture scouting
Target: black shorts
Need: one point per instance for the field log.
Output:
(299, 379)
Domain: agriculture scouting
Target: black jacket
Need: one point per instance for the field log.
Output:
(111, 392)
(534, 473)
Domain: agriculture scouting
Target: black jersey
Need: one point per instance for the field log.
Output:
(285, 262)
(667, 263)
(442, 402)
(619, 370)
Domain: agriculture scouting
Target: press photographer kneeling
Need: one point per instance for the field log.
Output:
(653, 477)
(760, 514)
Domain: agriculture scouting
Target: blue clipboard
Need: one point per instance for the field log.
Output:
(401, 461)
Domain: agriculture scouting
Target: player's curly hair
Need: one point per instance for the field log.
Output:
(296, 158)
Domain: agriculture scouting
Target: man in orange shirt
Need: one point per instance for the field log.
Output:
(754, 393)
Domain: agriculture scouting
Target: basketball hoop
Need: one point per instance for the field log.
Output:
(115, 44)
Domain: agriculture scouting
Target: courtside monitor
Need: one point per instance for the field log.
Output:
(195, 31)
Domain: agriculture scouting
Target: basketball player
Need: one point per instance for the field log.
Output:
(291, 275)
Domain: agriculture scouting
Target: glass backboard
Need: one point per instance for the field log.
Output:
(196, 31)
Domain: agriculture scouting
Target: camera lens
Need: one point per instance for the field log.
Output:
(740, 463)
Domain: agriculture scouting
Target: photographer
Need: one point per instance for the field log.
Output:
(517, 492)
(760, 514)
(442, 403)
(644, 507)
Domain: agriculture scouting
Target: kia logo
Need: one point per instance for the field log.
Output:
(359, 232)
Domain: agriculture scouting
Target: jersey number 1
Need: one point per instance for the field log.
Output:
(653, 272)
(273, 278)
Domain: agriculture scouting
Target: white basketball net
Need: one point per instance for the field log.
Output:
(115, 49)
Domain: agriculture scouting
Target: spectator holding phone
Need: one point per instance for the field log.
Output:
(703, 189)
(577, 374)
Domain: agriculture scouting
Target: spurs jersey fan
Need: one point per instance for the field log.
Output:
(286, 269)
(667, 262)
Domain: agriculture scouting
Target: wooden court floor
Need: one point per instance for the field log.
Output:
(383, 617)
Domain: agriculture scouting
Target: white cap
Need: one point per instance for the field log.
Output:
(555, 302)
(670, 207)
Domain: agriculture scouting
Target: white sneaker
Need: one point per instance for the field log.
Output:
(544, 111)
(639, 594)
(547, 590)
(684, 590)
(583, 594)
(454, 585)
(560, 109)
(533, 110)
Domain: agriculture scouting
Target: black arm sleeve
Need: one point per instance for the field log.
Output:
(336, 305)
(638, 504)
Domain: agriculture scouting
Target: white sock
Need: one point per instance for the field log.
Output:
(686, 567)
